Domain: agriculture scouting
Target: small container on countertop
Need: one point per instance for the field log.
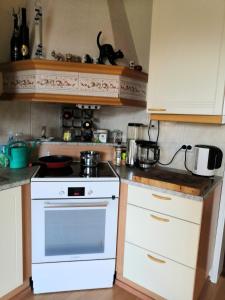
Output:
(100, 135)
(120, 156)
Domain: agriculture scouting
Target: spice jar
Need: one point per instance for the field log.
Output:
(67, 135)
(117, 160)
(123, 156)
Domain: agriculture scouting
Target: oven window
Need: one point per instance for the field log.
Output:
(74, 231)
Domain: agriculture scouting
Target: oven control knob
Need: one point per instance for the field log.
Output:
(90, 192)
(61, 193)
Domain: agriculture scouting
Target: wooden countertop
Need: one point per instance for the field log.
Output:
(169, 179)
(174, 180)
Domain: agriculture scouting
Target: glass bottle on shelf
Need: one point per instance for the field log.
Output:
(15, 40)
(24, 36)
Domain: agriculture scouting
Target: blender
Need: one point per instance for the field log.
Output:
(134, 132)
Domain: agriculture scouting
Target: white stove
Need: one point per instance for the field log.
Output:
(74, 228)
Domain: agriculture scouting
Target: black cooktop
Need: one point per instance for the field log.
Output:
(76, 170)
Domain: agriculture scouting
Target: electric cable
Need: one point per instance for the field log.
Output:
(157, 138)
(166, 164)
(149, 129)
(185, 161)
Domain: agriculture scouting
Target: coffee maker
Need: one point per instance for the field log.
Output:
(134, 132)
(147, 154)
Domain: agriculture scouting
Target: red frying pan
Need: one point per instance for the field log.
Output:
(56, 161)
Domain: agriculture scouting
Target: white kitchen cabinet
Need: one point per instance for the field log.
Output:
(154, 242)
(158, 273)
(162, 234)
(187, 59)
(168, 204)
(11, 250)
(165, 242)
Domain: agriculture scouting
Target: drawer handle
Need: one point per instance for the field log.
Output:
(156, 109)
(160, 261)
(161, 197)
(160, 219)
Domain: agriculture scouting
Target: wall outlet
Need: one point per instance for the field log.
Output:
(188, 147)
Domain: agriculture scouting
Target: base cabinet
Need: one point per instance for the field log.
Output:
(11, 249)
(158, 232)
(158, 274)
(165, 243)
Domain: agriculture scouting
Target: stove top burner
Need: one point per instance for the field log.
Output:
(77, 170)
(56, 172)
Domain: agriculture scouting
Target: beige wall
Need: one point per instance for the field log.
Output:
(71, 26)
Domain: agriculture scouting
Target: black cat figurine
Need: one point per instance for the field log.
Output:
(107, 52)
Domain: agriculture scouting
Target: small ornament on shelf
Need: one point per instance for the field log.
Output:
(138, 68)
(66, 57)
(38, 45)
(106, 52)
(133, 66)
(72, 58)
(87, 59)
(58, 56)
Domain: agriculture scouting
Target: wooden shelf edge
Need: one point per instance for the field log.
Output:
(206, 119)
(73, 99)
(137, 290)
(53, 65)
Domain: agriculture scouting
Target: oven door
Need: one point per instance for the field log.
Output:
(68, 230)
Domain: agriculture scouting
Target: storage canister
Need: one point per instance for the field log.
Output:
(100, 135)
(117, 158)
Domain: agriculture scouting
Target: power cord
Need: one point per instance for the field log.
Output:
(166, 164)
(185, 158)
(149, 131)
(157, 138)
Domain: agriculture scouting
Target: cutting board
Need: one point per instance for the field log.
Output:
(179, 182)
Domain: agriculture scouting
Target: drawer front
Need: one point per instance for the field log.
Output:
(164, 277)
(183, 208)
(168, 236)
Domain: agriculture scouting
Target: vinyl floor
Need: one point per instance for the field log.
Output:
(210, 292)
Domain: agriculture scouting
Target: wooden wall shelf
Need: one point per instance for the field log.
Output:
(77, 83)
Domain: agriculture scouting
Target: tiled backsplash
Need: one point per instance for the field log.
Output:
(29, 118)
(172, 135)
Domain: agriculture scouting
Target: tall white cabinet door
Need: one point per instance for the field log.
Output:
(11, 258)
(187, 57)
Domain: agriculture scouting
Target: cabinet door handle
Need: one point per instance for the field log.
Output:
(160, 219)
(160, 261)
(156, 109)
(161, 197)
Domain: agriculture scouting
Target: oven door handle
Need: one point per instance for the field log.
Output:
(74, 205)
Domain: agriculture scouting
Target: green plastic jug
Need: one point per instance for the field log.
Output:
(18, 153)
